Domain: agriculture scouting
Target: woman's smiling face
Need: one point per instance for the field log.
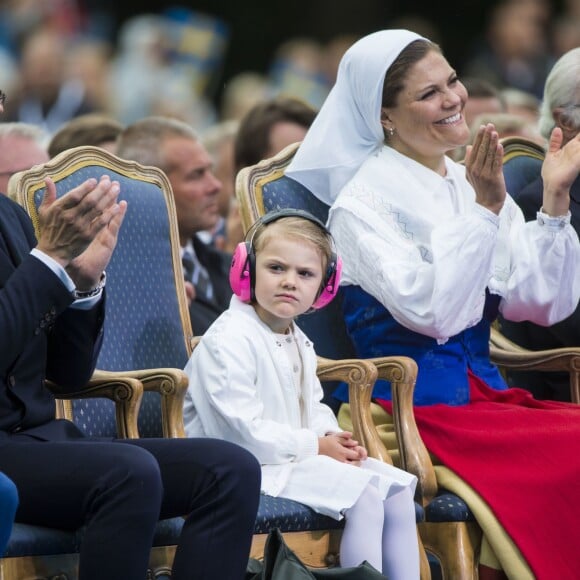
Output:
(428, 117)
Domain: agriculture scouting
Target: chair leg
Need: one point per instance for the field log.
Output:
(454, 544)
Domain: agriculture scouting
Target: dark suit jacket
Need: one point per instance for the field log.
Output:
(201, 312)
(39, 336)
(565, 333)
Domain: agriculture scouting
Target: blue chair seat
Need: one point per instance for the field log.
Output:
(290, 516)
(448, 507)
(27, 540)
(274, 512)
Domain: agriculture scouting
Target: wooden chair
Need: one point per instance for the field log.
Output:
(264, 187)
(146, 343)
(148, 340)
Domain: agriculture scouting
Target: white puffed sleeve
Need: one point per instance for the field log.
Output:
(438, 291)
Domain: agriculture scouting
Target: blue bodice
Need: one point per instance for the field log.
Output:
(443, 368)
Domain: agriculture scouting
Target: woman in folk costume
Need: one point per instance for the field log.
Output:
(253, 381)
(432, 250)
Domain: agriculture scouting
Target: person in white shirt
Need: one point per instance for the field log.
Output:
(253, 381)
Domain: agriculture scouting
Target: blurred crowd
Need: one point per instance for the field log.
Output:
(61, 59)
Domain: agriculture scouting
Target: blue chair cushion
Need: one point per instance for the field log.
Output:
(419, 512)
(167, 532)
(290, 516)
(273, 512)
(151, 328)
(27, 540)
(519, 172)
(448, 507)
(285, 192)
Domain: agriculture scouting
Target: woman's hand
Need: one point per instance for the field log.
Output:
(559, 171)
(484, 167)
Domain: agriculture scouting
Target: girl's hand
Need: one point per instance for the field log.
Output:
(362, 453)
(342, 447)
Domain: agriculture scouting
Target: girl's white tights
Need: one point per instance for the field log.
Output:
(384, 533)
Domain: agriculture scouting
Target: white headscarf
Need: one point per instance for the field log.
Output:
(347, 129)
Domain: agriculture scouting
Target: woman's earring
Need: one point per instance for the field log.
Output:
(391, 131)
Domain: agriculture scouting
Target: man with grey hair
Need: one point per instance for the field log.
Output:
(174, 147)
(560, 108)
(22, 145)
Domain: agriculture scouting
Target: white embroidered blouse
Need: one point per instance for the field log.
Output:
(420, 244)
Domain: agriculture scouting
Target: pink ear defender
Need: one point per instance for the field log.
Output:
(243, 261)
(331, 283)
(240, 279)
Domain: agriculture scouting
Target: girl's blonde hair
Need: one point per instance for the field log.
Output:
(297, 228)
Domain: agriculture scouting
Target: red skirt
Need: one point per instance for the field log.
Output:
(523, 457)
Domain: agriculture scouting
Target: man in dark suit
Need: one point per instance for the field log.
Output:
(174, 147)
(51, 324)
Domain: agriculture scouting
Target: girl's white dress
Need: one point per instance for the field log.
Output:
(242, 389)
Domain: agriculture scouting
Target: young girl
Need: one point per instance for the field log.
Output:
(253, 381)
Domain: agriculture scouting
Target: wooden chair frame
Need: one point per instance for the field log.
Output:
(515, 146)
(171, 384)
(125, 388)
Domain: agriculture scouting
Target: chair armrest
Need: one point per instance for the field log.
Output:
(171, 384)
(124, 391)
(499, 341)
(401, 372)
(557, 359)
(360, 375)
